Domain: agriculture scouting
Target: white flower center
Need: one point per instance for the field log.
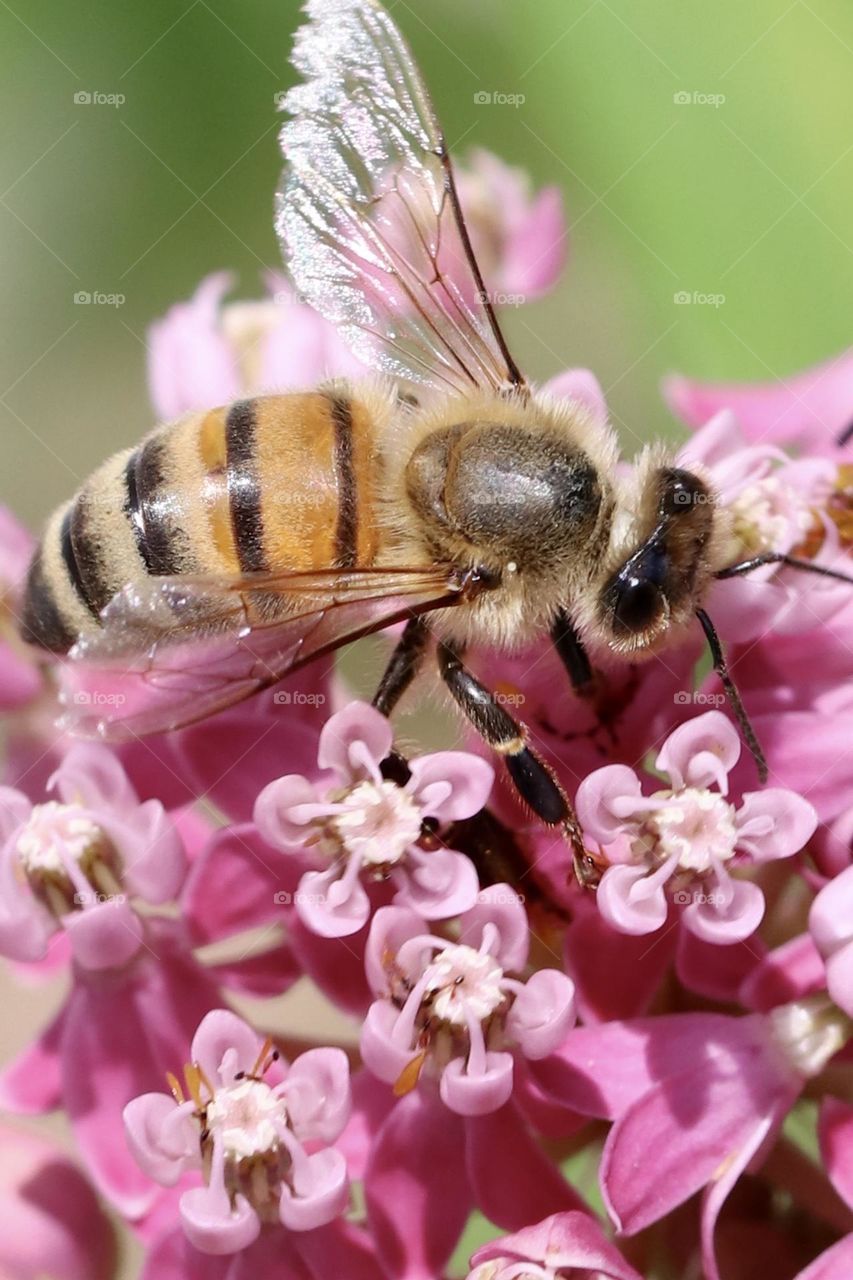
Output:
(380, 823)
(694, 825)
(769, 516)
(55, 833)
(464, 983)
(247, 1116)
(809, 1032)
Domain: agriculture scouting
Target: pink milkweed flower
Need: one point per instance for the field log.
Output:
(681, 843)
(770, 502)
(75, 863)
(831, 927)
(695, 1098)
(368, 828)
(452, 1010)
(564, 1246)
(810, 409)
(51, 1225)
(520, 239)
(258, 1131)
(204, 352)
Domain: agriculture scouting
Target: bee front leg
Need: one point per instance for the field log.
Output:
(402, 667)
(533, 780)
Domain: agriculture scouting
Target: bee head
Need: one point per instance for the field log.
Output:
(655, 587)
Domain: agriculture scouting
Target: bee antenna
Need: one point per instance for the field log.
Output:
(721, 667)
(792, 562)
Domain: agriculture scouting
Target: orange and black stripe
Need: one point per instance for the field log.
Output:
(262, 485)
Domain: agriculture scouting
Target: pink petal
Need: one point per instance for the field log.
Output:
(701, 752)
(535, 251)
(839, 977)
(543, 1013)
(630, 904)
(440, 885)
(831, 914)
(285, 809)
(224, 1045)
(418, 1196)
(716, 972)
(90, 775)
(335, 965)
(724, 1179)
(835, 1131)
(154, 858)
(530, 1183)
(477, 1094)
(787, 973)
(582, 386)
(190, 363)
(808, 408)
(353, 739)
(450, 785)
(237, 884)
(499, 905)
(50, 1222)
(325, 911)
(162, 1136)
(339, 1249)
(732, 921)
(381, 1051)
(835, 1263)
(604, 800)
(213, 1226)
(389, 929)
(791, 821)
(321, 1192)
(105, 936)
(31, 1083)
(15, 809)
(318, 1094)
(372, 1101)
(570, 1240)
(595, 951)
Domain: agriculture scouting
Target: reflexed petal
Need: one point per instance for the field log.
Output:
(321, 1192)
(604, 801)
(213, 1225)
(731, 922)
(439, 884)
(224, 1045)
(324, 910)
(318, 1095)
(104, 936)
(389, 929)
(477, 1094)
(285, 809)
(354, 739)
(90, 775)
(701, 752)
(627, 904)
(774, 823)
(565, 1240)
(450, 785)
(501, 906)
(162, 1136)
(543, 1013)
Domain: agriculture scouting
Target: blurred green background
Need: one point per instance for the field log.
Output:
(749, 198)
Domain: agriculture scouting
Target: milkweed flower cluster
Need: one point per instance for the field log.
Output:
(648, 1078)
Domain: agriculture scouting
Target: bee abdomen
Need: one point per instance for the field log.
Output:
(262, 485)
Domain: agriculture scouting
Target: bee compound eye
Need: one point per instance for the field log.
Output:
(638, 604)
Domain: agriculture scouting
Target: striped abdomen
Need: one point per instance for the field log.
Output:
(271, 483)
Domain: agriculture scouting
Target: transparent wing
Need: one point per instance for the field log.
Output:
(174, 651)
(368, 216)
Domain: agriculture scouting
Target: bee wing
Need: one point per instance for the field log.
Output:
(174, 651)
(368, 215)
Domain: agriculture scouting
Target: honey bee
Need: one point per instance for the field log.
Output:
(234, 546)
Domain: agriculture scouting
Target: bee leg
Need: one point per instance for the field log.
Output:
(402, 667)
(573, 656)
(532, 778)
